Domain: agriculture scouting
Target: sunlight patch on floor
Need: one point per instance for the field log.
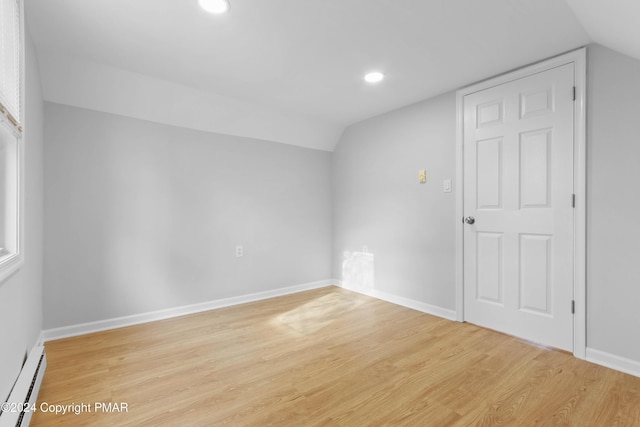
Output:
(316, 314)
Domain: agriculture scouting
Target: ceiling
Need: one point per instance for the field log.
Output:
(306, 59)
(612, 23)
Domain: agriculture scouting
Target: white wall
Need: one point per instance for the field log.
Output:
(99, 87)
(141, 216)
(21, 294)
(408, 227)
(613, 232)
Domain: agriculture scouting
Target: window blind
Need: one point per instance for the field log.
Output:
(10, 61)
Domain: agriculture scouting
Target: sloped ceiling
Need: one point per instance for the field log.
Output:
(611, 23)
(301, 60)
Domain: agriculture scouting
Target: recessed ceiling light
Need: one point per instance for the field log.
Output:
(214, 6)
(374, 77)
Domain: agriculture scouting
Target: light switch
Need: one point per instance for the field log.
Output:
(422, 176)
(446, 187)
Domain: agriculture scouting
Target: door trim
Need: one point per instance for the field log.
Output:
(578, 57)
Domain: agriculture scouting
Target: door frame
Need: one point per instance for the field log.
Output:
(578, 57)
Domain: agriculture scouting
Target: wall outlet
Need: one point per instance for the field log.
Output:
(239, 251)
(422, 176)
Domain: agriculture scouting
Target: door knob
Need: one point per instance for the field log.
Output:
(469, 220)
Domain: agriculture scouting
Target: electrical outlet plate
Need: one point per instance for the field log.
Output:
(422, 176)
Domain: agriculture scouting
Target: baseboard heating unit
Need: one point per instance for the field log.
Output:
(18, 409)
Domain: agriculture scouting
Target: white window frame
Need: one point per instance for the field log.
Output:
(11, 234)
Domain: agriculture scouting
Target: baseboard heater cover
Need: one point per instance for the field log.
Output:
(25, 391)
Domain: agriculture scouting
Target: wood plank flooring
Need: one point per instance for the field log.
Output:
(327, 357)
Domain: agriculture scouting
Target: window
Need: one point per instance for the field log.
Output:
(10, 136)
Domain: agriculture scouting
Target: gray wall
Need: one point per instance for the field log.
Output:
(141, 216)
(21, 294)
(613, 233)
(408, 227)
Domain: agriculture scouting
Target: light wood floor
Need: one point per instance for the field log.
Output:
(328, 357)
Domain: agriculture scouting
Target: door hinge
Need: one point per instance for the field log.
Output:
(573, 307)
(573, 200)
(573, 95)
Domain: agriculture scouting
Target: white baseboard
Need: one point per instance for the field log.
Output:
(405, 302)
(136, 319)
(622, 364)
(609, 360)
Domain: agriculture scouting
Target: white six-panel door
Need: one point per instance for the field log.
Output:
(518, 188)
